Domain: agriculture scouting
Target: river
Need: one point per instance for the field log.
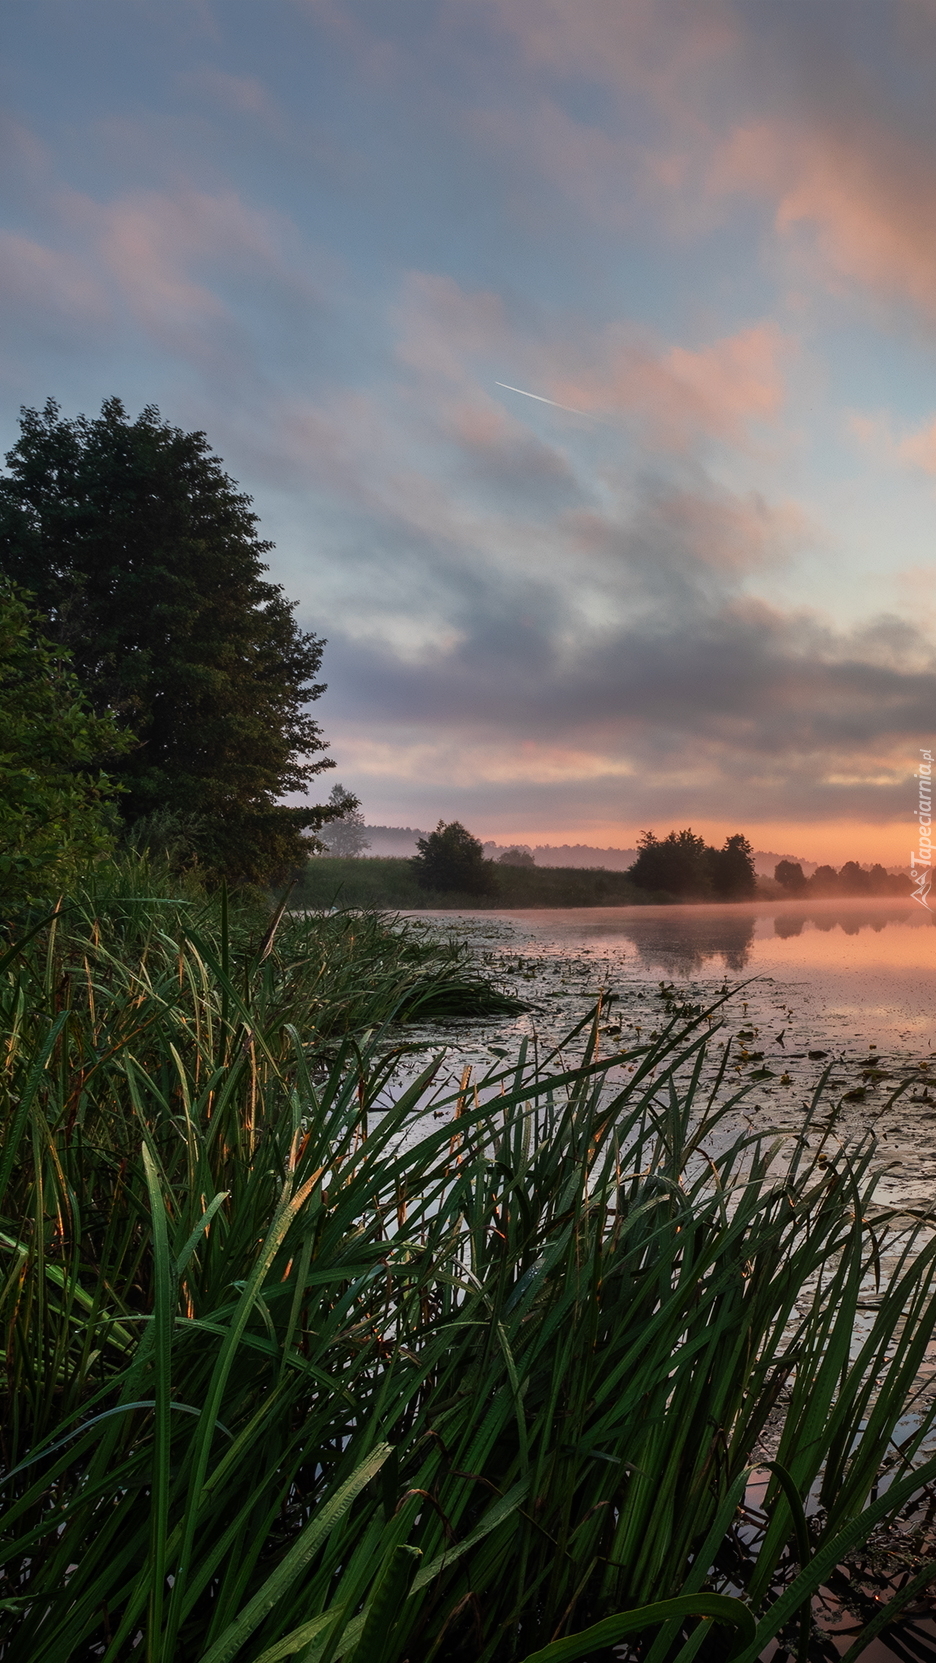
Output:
(848, 986)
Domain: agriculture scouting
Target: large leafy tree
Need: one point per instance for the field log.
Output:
(145, 562)
(56, 803)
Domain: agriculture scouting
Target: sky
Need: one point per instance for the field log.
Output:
(690, 580)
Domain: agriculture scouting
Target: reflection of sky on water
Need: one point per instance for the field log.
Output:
(819, 986)
(687, 940)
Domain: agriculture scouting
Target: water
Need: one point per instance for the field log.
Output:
(848, 986)
(844, 987)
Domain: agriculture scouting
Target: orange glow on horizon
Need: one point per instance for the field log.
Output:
(826, 842)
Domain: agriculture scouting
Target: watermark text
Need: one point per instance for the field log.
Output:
(921, 858)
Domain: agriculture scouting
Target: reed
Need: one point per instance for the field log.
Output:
(293, 1369)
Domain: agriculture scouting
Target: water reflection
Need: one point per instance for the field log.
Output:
(682, 946)
(850, 919)
(684, 940)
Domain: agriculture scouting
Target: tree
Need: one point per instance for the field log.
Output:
(450, 858)
(853, 880)
(145, 562)
(824, 881)
(346, 836)
(516, 857)
(56, 805)
(677, 863)
(733, 873)
(789, 875)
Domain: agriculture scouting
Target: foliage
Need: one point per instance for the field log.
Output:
(346, 836)
(292, 1367)
(851, 880)
(684, 865)
(675, 863)
(145, 563)
(389, 881)
(789, 875)
(451, 859)
(732, 871)
(56, 805)
(516, 857)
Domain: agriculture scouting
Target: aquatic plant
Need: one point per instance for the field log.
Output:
(292, 1368)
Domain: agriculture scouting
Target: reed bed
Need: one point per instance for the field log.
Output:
(292, 1369)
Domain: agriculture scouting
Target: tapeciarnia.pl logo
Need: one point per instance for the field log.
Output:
(921, 859)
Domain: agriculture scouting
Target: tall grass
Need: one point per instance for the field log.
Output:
(293, 1369)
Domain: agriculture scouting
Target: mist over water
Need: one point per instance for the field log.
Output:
(845, 989)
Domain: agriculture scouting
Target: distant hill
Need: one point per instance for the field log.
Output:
(401, 840)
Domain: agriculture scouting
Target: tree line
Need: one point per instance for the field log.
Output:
(681, 864)
(851, 880)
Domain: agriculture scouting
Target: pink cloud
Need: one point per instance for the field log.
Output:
(919, 449)
(150, 241)
(865, 191)
(715, 390)
(648, 44)
(35, 276)
(916, 449)
(443, 324)
(463, 342)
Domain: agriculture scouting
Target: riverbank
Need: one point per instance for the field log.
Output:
(388, 881)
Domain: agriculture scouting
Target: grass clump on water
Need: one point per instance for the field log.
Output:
(293, 1369)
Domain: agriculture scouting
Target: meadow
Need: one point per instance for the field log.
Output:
(389, 881)
(302, 1361)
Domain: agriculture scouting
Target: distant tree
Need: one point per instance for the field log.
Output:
(57, 806)
(145, 562)
(345, 836)
(853, 880)
(824, 881)
(677, 863)
(879, 880)
(733, 874)
(516, 857)
(789, 875)
(451, 859)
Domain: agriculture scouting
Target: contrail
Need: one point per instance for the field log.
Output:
(572, 412)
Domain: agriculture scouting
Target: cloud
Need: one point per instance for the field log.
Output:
(879, 435)
(721, 390)
(919, 449)
(153, 243)
(681, 689)
(244, 94)
(49, 284)
(863, 189)
(716, 390)
(842, 150)
(178, 269)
